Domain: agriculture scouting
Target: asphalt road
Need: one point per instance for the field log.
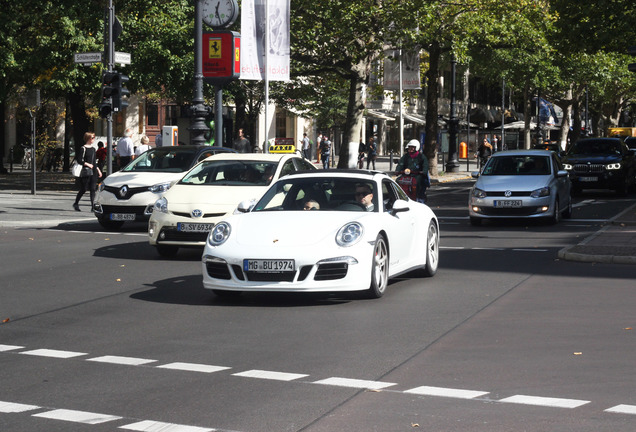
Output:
(101, 334)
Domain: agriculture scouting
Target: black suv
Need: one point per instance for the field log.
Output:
(600, 163)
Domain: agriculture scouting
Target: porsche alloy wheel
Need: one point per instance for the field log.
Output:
(379, 268)
(432, 250)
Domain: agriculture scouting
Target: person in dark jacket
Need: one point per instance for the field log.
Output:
(414, 163)
(87, 180)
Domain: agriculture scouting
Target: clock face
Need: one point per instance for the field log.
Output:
(219, 13)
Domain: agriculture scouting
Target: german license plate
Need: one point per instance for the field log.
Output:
(587, 179)
(194, 227)
(269, 265)
(508, 203)
(122, 216)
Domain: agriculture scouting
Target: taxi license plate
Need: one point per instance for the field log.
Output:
(122, 216)
(508, 203)
(269, 265)
(587, 179)
(194, 227)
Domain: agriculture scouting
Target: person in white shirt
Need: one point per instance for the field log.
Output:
(143, 147)
(125, 149)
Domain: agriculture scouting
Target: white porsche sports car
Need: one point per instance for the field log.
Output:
(211, 191)
(323, 231)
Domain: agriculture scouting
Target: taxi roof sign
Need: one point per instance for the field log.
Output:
(282, 148)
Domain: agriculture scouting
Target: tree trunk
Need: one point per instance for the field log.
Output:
(348, 155)
(432, 78)
(81, 123)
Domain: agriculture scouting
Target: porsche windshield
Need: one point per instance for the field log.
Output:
(342, 194)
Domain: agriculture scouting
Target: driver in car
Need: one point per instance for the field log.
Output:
(364, 196)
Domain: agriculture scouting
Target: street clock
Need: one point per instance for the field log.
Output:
(220, 13)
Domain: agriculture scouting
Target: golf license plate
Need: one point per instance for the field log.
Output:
(508, 203)
(194, 227)
(122, 216)
(269, 265)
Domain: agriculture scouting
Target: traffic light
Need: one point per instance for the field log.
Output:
(119, 103)
(108, 90)
(632, 51)
(113, 91)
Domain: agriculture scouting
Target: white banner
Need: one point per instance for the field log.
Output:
(410, 70)
(253, 50)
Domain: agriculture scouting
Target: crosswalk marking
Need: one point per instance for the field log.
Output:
(77, 416)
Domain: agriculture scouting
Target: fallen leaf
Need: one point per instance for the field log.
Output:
(628, 328)
(578, 353)
(118, 280)
(415, 425)
(6, 320)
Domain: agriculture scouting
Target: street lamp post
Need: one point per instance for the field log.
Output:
(453, 164)
(199, 111)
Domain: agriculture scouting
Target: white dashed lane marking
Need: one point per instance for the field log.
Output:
(622, 409)
(446, 392)
(53, 353)
(193, 367)
(131, 361)
(279, 376)
(77, 416)
(153, 426)
(10, 347)
(10, 407)
(355, 383)
(544, 401)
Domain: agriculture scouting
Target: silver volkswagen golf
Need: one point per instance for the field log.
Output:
(521, 184)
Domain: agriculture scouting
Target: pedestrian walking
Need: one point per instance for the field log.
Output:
(125, 149)
(241, 143)
(325, 151)
(306, 146)
(87, 180)
(372, 153)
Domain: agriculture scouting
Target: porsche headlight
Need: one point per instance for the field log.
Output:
(160, 187)
(478, 193)
(161, 205)
(538, 193)
(219, 234)
(613, 166)
(101, 187)
(349, 234)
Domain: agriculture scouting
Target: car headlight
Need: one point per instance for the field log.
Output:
(160, 187)
(613, 166)
(478, 193)
(567, 167)
(538, 193)
(219, 234)
(161, 205)
(349, 234)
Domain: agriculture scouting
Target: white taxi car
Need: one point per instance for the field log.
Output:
(211, 191)
(128, 195)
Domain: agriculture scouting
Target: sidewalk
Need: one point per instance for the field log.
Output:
(55, 193)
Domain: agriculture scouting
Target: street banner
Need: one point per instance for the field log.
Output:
(410, 70)
(254, 56)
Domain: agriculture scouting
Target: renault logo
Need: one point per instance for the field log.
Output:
(123, 191)
(508, 193)
(196, 213)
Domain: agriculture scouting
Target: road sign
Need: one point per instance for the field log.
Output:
(88, 58)
(122, 58)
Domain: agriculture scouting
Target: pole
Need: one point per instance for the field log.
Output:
(266, 71)
(218, 116)
(401, 104)
(503, 111)
(453, 164)
(199, 111)
(468, 137)
(33, 158)
(109, 48)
